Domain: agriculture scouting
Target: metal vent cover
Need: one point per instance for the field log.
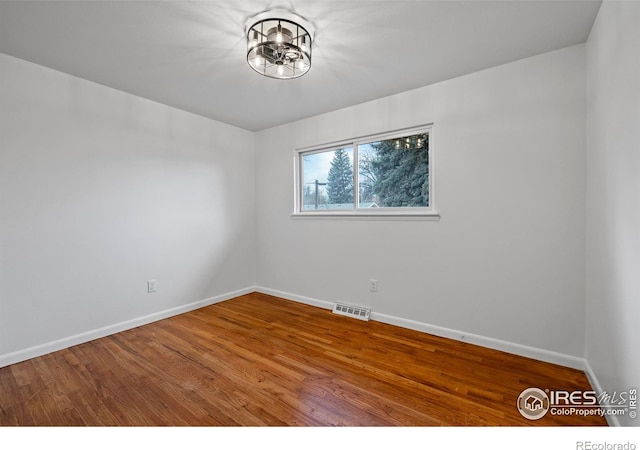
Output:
(357, 312)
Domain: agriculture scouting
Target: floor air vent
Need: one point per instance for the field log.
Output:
(356, 312)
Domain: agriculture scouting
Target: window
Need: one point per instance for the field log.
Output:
(379, 175)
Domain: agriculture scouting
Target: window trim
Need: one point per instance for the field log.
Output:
(387, 213)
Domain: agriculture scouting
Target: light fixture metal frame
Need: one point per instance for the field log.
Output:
(278, 46)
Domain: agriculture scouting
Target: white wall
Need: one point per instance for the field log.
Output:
(613, 198)
(101, 191)
(505, 261)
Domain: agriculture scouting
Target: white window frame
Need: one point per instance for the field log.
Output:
(403, 213)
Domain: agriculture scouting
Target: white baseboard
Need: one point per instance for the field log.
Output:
(296, 298)
(43, 349)
(612, 421)
(483, 341)
(497, 344)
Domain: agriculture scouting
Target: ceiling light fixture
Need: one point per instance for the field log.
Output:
(279, 45)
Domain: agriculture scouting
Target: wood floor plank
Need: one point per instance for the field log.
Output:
(258, 360)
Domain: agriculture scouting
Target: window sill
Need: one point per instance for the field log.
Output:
(356, 215)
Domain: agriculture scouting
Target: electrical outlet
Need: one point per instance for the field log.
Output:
(373, 285)
(151, 286)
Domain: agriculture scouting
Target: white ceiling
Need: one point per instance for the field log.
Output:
(192, 54)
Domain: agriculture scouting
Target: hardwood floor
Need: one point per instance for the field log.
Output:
(260, 360)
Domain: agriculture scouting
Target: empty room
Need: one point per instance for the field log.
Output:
(327, 213)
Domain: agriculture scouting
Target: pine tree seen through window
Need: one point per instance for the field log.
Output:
(389, 174)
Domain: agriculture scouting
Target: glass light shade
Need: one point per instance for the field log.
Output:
(279, 48)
